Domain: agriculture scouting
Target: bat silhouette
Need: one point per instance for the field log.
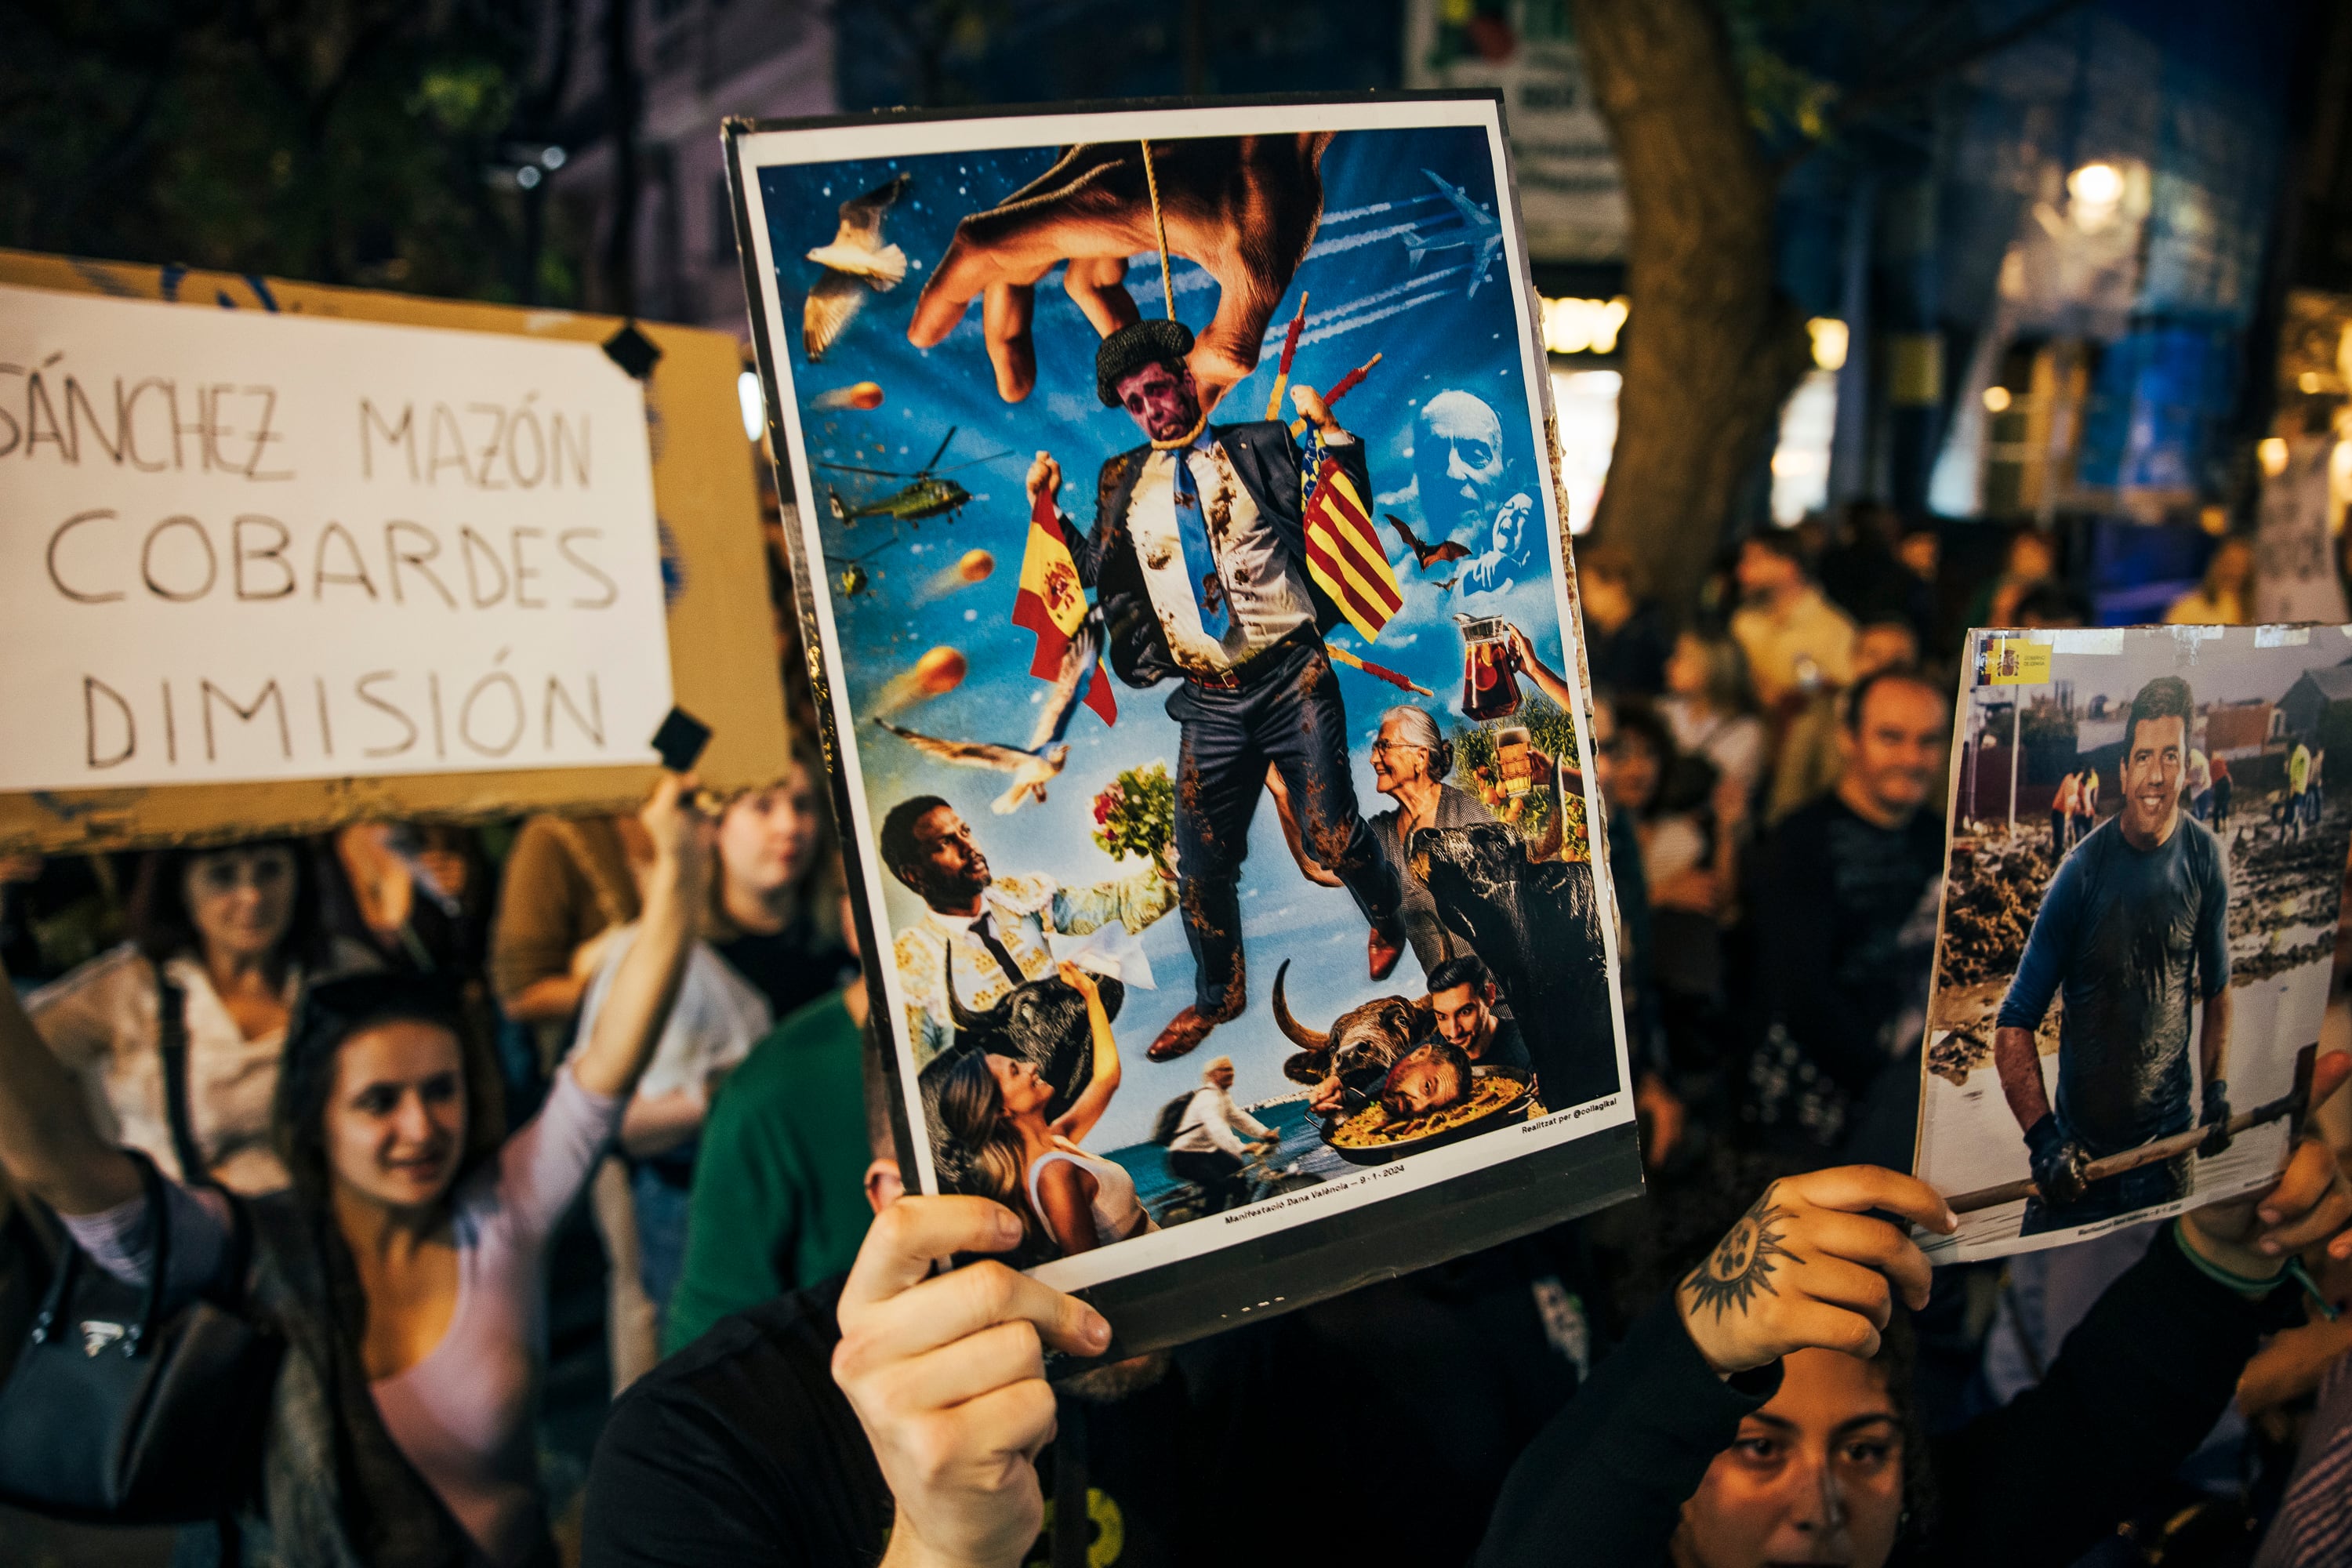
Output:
(1426, 555)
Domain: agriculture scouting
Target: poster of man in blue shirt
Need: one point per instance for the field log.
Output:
(2133, 934)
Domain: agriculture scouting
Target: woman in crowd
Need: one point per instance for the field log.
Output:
(1711, 708)
(767, 948)
(222, 941)
(2032, 563)
(1626, 637)
(994, 1107)
(2225, 596)
(1765, 1414)
(405, 1265)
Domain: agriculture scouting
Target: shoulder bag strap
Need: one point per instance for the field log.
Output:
(172, 1040)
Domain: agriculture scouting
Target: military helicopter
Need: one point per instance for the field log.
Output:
(927, 495)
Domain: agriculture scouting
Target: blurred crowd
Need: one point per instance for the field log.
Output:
(655, 1014)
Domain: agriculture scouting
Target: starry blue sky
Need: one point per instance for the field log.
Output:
(1366, 297)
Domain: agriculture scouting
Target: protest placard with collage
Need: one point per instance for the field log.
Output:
(1178, 536)
(2138, 924)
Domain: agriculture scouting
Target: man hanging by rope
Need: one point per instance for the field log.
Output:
(1198, 555)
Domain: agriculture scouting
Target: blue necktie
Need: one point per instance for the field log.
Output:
(1200, 560)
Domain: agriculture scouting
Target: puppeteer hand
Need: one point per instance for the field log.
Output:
(1243, 208)
(2215, 1117)
(2061, 1166)
(947, 1376)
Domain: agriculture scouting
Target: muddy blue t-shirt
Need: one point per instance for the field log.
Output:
(2125, 932)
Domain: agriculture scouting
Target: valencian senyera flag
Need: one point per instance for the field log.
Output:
(1343, 553)
(1052, 603)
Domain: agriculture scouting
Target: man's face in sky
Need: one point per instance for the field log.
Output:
(1163, 403)
(1457, 461)
(1463, 1016)
(1896, 744)
(949, 871)
(2151, 777)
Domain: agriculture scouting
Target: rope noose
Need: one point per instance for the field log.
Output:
(1160, 227)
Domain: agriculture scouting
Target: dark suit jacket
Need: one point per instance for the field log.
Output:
(1268, 467)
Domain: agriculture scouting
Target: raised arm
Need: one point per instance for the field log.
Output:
(1095, 1099)
(630, 1023)
(47, 1142)
(1548, 681)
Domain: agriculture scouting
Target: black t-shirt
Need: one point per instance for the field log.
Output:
(1375, 1428)
(789, 967)
(1835, 968)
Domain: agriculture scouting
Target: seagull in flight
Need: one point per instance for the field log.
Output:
(1047, 752)
(856, 264)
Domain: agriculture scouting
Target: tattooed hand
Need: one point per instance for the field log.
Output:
(1807, 1267)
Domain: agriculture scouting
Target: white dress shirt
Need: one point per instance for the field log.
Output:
(1266, 587)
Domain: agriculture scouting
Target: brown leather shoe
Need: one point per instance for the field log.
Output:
(1383, 947)
(1184, 1031)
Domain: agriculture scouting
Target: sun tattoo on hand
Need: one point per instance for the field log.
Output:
(1740, 1268)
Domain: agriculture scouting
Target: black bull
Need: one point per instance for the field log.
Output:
(1039, 1021)
(1538, 927)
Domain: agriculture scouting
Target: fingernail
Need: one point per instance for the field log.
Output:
(1951, 1221)
(1008, 1227)
(2268, 1216)
(1097, 1329)
(2270, 1245)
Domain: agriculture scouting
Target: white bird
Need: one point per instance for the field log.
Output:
(856, 263)
(1047, 752)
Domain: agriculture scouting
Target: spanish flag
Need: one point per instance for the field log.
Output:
(1052, 603)
(1344, 555)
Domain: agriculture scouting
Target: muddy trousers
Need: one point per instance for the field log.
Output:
(1285, 712)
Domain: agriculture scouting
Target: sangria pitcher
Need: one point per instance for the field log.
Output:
(1490, 686)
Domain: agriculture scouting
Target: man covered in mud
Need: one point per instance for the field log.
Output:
(1198, 557)
(2135, 929)
(1463, 1024)
(988, 931)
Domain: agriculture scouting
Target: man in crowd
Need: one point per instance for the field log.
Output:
(1199, 560)
(990, 932)
(1841, 877)
(1207, 1149)
(2135, 927)
(1795, 639)
(1811, 756)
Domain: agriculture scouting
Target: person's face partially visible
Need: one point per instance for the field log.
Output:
(2151, 776)
(1462, 1015)
(1222, 1075)
(1764, 572)
(1633, 772)
(1884, 647)
(767, 839)
(1893, 750)
(1686, 668)
(396, 1118)
(1604, 747)
(1420, 1081)
(950, 870)
(1814, 1476)
(1921, 552)
(241, 900)
(1458, 460)
(1019, 1083)
(1397, 763)
(1164, 403)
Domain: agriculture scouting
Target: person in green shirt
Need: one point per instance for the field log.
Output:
(779, 1198)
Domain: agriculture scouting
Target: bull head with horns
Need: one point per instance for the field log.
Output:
(1373, 1033)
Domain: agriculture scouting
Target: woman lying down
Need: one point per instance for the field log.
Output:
(1764, 1415)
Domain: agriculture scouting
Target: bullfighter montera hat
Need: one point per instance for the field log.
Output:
(1132, 348)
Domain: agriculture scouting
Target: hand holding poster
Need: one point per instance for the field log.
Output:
(1396, 1038)
(2139, 915)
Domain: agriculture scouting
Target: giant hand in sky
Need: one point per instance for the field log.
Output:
(1243, 208)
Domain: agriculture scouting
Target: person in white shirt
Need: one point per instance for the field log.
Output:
(1207, 1149)
(990, 933)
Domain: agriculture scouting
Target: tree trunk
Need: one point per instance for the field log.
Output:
(1711, 349)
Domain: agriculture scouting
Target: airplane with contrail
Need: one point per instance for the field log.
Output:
(1480, 233)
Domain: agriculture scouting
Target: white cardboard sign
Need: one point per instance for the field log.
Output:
(238, 546)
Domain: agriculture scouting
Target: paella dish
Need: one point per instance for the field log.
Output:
(1376, 1128)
